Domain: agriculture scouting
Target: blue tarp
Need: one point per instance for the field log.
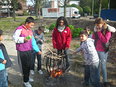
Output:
(109, 14)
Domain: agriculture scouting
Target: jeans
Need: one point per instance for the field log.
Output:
(91, 75)
(103, 61)
(34, 55)
(87, 79)
(94, 74)
(3, 78)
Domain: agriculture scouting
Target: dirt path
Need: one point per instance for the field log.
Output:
(73, 78)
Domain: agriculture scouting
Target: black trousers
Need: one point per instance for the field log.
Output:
(66, 56)
(25, 58)
(39, 57)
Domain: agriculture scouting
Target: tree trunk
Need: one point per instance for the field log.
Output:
(100, 6)
(108, 4)
(14, 15)
(8, 8)
(65, 8)
(36, 8)
(92, 7)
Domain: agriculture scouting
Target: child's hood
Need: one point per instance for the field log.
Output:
(89, 40)
(111, 29)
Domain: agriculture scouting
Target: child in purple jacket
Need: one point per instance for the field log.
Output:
(25, 43)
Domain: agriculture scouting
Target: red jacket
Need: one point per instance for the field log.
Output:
(61, 40)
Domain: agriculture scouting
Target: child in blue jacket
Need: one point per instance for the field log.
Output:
(5, 62)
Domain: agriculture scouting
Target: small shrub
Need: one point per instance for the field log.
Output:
(76, 31)
(71, 27)
(52, 26)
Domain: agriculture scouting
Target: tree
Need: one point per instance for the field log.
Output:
(87, 9)
(84, 3)
(92, 7)
(112, 4)
(105, 4)
(14, 5)
(8, 4)
(65, 3)
(100, 6)
(80, 10)
(38, 6)
(95, 5)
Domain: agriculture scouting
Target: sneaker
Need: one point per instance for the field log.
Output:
(31, 79)
(40, 72)
(27, 84)
(32, 72)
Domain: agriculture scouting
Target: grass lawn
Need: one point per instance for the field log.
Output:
(8, 24)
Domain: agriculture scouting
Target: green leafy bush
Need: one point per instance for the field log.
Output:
(52, 26)
(71, 27)
(76, 31)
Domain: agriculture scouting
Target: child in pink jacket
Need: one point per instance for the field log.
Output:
(102, 36)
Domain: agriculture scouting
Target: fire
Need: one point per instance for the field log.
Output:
(56, 73)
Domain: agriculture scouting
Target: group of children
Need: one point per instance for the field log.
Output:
(95, 51)
(29, 46)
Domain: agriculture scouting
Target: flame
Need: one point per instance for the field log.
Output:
(56, 73)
